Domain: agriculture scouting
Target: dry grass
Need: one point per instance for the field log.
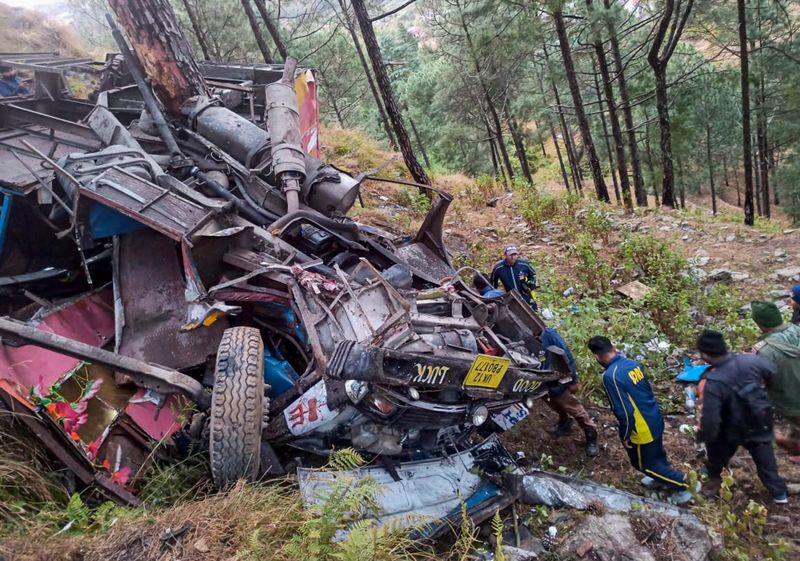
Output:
(247, 522)
(355, 152)
(23, 30)
(250, 521)
(26, 485)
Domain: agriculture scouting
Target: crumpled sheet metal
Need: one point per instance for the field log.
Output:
(88, 319)
(558, 491)
(427, 490)
(160, 416)
(152, 286)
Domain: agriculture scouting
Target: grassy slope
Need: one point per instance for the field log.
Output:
(23, 30)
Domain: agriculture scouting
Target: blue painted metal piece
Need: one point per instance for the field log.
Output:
(691, 374)
(290, 322)
(5, 215)
(104, 222)
(279, 374)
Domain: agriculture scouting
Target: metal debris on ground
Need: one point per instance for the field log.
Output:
(178, 272)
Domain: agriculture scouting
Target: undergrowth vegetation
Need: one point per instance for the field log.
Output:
(578, 285)
(185, 519)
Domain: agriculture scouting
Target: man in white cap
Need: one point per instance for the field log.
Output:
(515, 273)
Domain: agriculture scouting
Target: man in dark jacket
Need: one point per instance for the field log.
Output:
(729, 395)
(515, 273)
(562, 400)
(9, 83)
(641, 426)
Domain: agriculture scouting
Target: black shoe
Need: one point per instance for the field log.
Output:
(592, 450)
(560, 429)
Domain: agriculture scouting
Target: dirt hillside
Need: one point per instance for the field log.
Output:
(24, 30)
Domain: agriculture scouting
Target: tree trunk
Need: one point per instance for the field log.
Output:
(638, 179)
(563, 169)
(682, 185)
(577, 170)
(616, 130)
(519, 145)
(761, 122)
(272, 28)
(162, 49)
(747, 153)
(262, 44)
(574, 165)
(493, 154)
(419, 142)
(609, 154)
(385, 87)
(725, 172)
(773, 166)
(334, 105)
(553, 135)
(763, 155)
(711, 170)
(650, 166)
(583, 122)
(672, 21)
(201, 40)
(493, 113)
(667, 173)
(387, 128)
(498, 167)
(756, 174)
(738, 187)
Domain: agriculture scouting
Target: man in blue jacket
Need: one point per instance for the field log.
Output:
(562, 400)
(641, 425)
(9, 83)
(516, 274)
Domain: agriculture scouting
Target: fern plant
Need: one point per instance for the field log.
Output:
(497, 531)
(345, 459)
(466, 536)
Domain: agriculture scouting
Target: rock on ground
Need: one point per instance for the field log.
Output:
(788, 273)
(612, 539)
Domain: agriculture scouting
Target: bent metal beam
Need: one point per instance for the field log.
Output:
(151, 376)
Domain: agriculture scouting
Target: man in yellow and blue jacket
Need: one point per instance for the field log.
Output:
(641, 425)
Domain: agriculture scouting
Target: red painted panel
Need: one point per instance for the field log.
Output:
(89, 320)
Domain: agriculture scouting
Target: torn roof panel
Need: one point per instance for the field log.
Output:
(89, 319)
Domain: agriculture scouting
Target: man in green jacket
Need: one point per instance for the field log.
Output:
(780, 343)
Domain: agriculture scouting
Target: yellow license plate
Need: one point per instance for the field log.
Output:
(486, 371)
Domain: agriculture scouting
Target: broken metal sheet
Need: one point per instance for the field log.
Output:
(160, 416)
(423, 492)
(55, 440)
(111, 131)
(50, 62)
(152, 290)
(155, 206)
(89, 319)
(145, 374)
(539, 487)
(310, 411)
(15, 170)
